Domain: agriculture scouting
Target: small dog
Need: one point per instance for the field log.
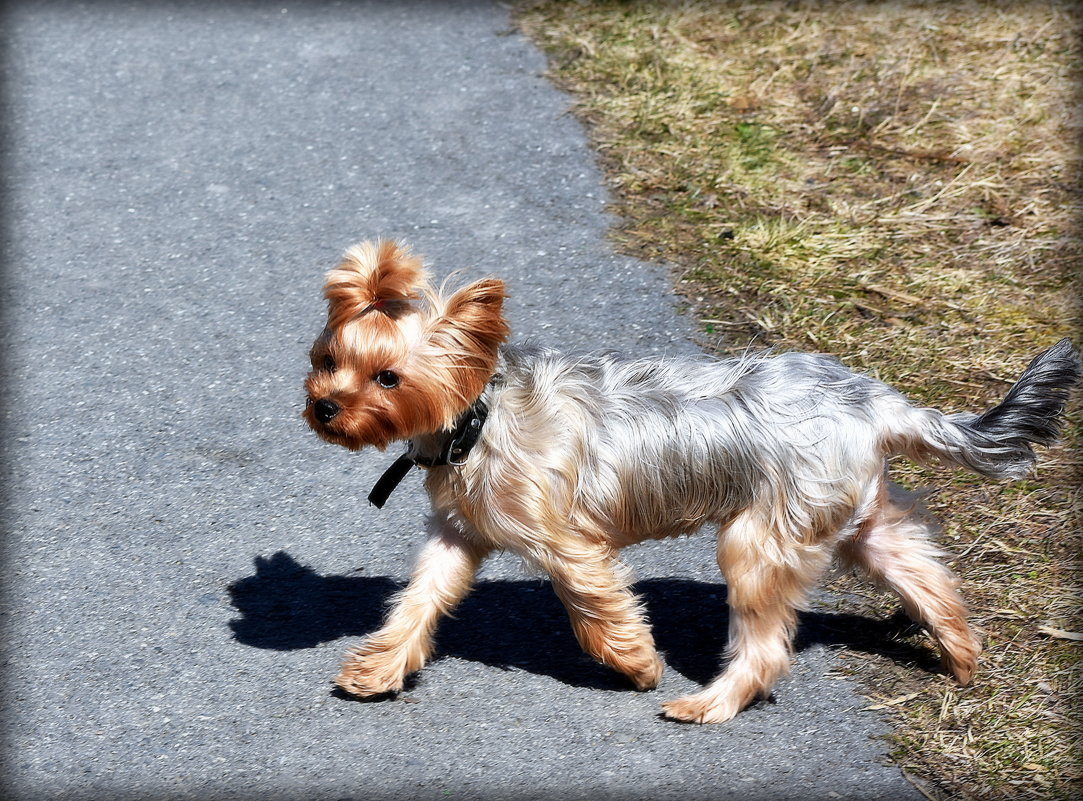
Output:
(565, 460)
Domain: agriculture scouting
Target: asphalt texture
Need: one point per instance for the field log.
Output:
(184, 562)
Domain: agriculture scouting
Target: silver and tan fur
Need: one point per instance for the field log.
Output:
(783, 456)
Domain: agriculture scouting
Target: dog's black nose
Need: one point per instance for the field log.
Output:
(326, 410)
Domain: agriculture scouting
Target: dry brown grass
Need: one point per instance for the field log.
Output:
(897, 184)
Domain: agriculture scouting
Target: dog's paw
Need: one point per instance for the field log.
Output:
(700, 708)
(361, 685)
(959, 655)
(648, 676)
(367, 675)
(640, 663)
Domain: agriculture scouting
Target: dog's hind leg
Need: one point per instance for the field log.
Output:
(894, 549)
(443, 575)
(766, 582)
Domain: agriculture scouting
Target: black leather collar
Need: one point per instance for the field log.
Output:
(457, 446)
(461, 440)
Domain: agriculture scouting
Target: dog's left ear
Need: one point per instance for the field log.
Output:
(468, 328)
(476, 315)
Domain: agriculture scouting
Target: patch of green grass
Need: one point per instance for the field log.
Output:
(755, 145)
(857, 165)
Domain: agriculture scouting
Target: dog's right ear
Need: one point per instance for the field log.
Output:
(372, 276)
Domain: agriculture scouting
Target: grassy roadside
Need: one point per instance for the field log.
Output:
(896, 184)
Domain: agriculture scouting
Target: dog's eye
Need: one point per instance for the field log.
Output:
(387, 379)
(328, 364)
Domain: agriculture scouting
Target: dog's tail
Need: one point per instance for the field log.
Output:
(998, 443)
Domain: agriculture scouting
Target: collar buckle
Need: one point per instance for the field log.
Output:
(459, 447)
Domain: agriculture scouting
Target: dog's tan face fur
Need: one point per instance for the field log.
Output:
(398, 359)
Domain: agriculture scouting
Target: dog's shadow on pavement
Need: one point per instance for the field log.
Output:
(521, 624)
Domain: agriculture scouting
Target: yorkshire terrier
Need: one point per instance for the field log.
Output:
(565, 460)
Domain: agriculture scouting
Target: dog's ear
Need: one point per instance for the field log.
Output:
(464, 334)
(473, 318)
(373, 276)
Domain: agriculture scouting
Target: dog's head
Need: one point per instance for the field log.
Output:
(398, 358)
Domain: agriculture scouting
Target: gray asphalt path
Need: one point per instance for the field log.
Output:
(184, 561)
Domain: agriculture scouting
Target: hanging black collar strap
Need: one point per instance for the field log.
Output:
(389, 480)
(456, 448)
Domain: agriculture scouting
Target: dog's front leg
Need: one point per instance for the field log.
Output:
(443, 575)
(606, 616)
